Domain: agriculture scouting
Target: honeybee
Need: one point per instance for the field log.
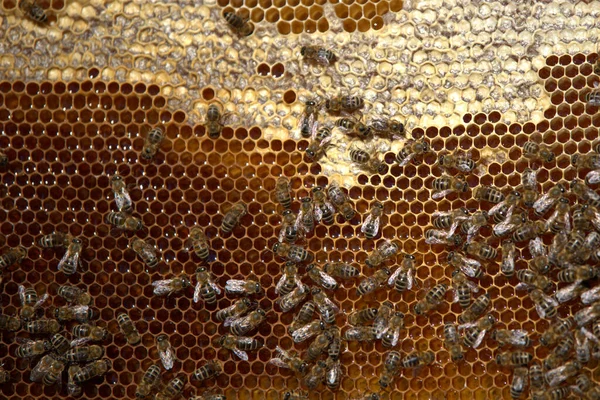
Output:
(333, 376)
(528, 231)
(392, 334)
(31, 348)
(530, 279)
(341, 201)
(540, 262)
(321, 278)
(451, 341)
(475, 310)
(239, 25)
(556, 330)
(214, 121)
(562, 373)
(341, 270)
(56, 239)
(353, 126)
(544, 304)
(326, 307)
(30, 302)
(529, 187)
(317, 54)
(84, 354)
(582, 216)
(3, 159)
(470, 267)
(239, 345)
(243, 325)
(165, 351)
(432, 299)
(289, 360)
(511, 223)
(12, 256)
(390, 128)
(289, 227)
(583, 383)
(8, 323)
(335, 347)
(48, 370)
(488, 193)
(316, 375)
(577, 274)
(586, 161)
(206, 288)
(209, 396)
(33, 11)
(209, 370)
(152, 143)
(514, 337)
(391, 368)
(558, 393)
(386, 250)
(123, 221)
(507, 265)
(370, 284)
(447, 184)
(75, 313)
(411, 149)
(505, 208)
(318, 143)
(588, 297)
(168, 287)
(86, 332)
(438, 236)
(323, 208)
(233, 217)
(306, 216)
(318, 345)
(291, 300)
(243, 287)
(535, 151)
(60, 344)
(462, 288)
(582, 346)
(308, 120)
(403, 278)
(145, 251)
(476, 331)
(384, 313)
(128, 329)
(289, 279)
(344, 103)
(457, 160)
(149, 382)
(283, 194)
(584, 193)
(368, 161)
(592, 178)
(474, 223)
(173, 389)
(4, 376)
(548, 200)
(42, 326)
(198, 242)
(519, 382)
(292, 252)
(481, 250)
(92, 370)
(294, 395)
(536, 376)
(362, 316)
(593, 97)
(73, 294)
(236, 310)
(450, 220)
(588, 314)
(514, 358)
(361, 333)
(418, 359)
(122, 197)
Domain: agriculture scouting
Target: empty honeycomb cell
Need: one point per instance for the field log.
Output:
(349, 25)
(355, 12)
(323, 25)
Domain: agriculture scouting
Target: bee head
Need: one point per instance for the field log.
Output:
(76, 241)
(424, 146)
(221, 340)
(262, 312)
(310, 103)
(441, 159)
(147, 153)
(200, 270)
(317, 189)
(276, 247)
(386, 271)
(257, 288)
(450, 256)
(458, 357)
(306, 200)
(455, 272)
(311, 154)
(574, 159)
(303, 367)
(185, 283)
(303, 50)
(397, 126)
(409, 256)
(315, 291)
(116, 178)
(56, 312)
(388, 304)
(381, 169)
(287, 395)
(561, 188)
(399, 314)
(310, 267)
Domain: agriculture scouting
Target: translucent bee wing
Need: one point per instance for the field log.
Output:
(479, 339)
(281, 236)
(188, 245)
(328, 280)
(162, 287)
(167, 357)
(518, 337)
(80, 341)
(496, 208)
(410, 278)
(555, 376)
(543, 202)
(42, 367)
(567, 222)
(41, 301)
(504, 227)
(381, 327)
(437, 239)
(440, 194)
(551, 219)
(215, 287)
(395, 337)
(407, 160)
(523, 286)
(567, 293)
(589, 335)
(302, 334)
(230, 320)
(122, 199)
(280, 283)
(591, 296)
(63, 260)
(540, 310)
(593, 177)
(467, 325)
(473, 286)
(235, 285)
(394, 276)
(536, 247)
(529, 179)
(454, 225)
(367, 221)
(23, 341)
(197, 292)
(298, 223)
(318, 214)
(22, 294)
(241, 354)
(455, 296)
(279, 363)
(440, 214)
(333, 374)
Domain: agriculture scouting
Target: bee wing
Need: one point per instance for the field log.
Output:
(122, 199)
(467, 325)
(472, 231)
(162, 287)
(440, 194)
(63, 260)
(529, 180)
(230, 320)
(496, 208)
(407, 159)
(41, 300)
(367, 221)
(23, 341)
(333, 374)
(554, 376)
(543, 202)
(522, 286)
(381, 327)
(593, 177)
(536, 247)
(215, 287)
(479, 339)
(567, 293)
(241, 354)
(591, 296)
(234, 285)
(278, 362)
(22, 294)
(280, 283)
(590, 335)
(518, 337)
(188, 245)
(540, 310)
(39, 371)
(453, 227)
(318, 214)
(167, 356)
(395, 337)
(394, 276)
(551, 219)
(328, 280)
(80, 341)
(440, 214)
(410, 277)
(301, 334)
(281, 233)
(197, 292)
(455, 295)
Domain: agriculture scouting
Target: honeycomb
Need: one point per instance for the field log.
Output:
(71, 122)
